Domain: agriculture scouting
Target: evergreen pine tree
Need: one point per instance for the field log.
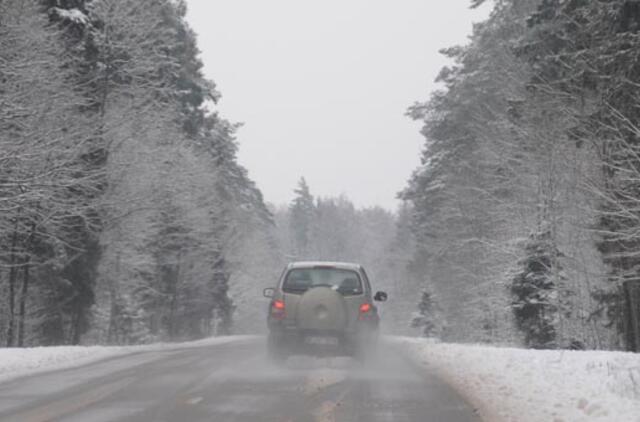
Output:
(535, 292)
(302, 211)
(427, 318)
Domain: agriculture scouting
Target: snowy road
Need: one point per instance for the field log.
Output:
(232, 382)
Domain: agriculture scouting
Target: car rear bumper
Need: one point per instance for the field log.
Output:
(313, 342)
(321, 342)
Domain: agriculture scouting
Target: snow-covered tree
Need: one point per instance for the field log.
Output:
(428, 318)
(302, 216)
(535, 292)
(47, 177)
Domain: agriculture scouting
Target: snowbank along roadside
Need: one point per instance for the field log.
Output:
(16, 362)
(517, 385)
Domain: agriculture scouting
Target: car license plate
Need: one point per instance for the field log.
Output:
(324, 341)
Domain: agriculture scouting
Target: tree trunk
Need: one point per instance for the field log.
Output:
(174, 300)
(23, 301)
(25, 286)
(113, 311)
(13, 273)
(75, 326)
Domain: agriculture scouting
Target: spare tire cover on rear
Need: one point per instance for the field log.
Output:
(321, 308)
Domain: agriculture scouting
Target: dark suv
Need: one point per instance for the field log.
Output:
(322, 308)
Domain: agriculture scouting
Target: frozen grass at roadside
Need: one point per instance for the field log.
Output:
(19, 362)
(517, 385)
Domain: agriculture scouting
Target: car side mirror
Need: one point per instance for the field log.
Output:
(269, 292)
(381, 297)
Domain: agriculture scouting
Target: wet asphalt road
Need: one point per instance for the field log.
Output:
(234, 382)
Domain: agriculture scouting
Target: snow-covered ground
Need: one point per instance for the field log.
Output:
(16, 362)
(518, 385)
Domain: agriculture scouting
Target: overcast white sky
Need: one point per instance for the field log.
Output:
(322, 87)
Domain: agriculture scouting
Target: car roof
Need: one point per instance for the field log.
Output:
(338, 265)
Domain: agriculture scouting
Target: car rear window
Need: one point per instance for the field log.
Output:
(346, 282)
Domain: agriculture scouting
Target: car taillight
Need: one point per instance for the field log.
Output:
(277, 309)
(365, 312)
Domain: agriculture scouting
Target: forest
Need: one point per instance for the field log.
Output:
(125, 217)
(122, 205)
(525, 207)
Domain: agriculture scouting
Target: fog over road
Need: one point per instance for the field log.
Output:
(233, 382)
